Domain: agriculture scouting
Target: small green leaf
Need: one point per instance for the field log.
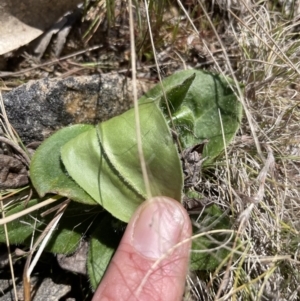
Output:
(47, 172)
(105, 161)
(208, 105)
(64, 240)
(75, 223)
(176, 95)
(207, 251)
(103, 243)
(20, 230)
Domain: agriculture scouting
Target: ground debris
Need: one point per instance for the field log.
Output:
(191, 163)
(13, 173)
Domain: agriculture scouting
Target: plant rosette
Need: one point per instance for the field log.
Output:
(98, 167)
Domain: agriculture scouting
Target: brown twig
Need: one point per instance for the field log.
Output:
(18, 73)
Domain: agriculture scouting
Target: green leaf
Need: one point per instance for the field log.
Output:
(207, 250)
(20, 230)
(176, 95)
(104, 161)
(47, 172)
(74, 224)
(103, 243)
(197, 115)
(65, 239)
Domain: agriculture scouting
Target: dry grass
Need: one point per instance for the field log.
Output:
(258, 183)
(263, 190)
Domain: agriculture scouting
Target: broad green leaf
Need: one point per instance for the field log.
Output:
(104, 161)
(103, 243)
(207, 251)
(197, 117)
(47, 172)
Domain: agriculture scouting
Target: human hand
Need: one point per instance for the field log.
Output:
(151, 261)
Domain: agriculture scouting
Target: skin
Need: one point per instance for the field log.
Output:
(151, 262)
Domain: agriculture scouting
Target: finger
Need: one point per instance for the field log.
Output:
(152, 259)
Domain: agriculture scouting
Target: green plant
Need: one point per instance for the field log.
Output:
(98, 167)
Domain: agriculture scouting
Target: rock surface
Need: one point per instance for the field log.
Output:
(44, 289)
(38, 108)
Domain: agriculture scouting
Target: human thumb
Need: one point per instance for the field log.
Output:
(152, 259)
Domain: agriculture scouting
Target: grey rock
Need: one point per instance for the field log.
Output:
(38, 108)
(46, 290)
(75, 262)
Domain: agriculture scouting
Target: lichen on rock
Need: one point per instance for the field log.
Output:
(38, 108)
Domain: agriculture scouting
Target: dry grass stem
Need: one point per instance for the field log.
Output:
(135, 102)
